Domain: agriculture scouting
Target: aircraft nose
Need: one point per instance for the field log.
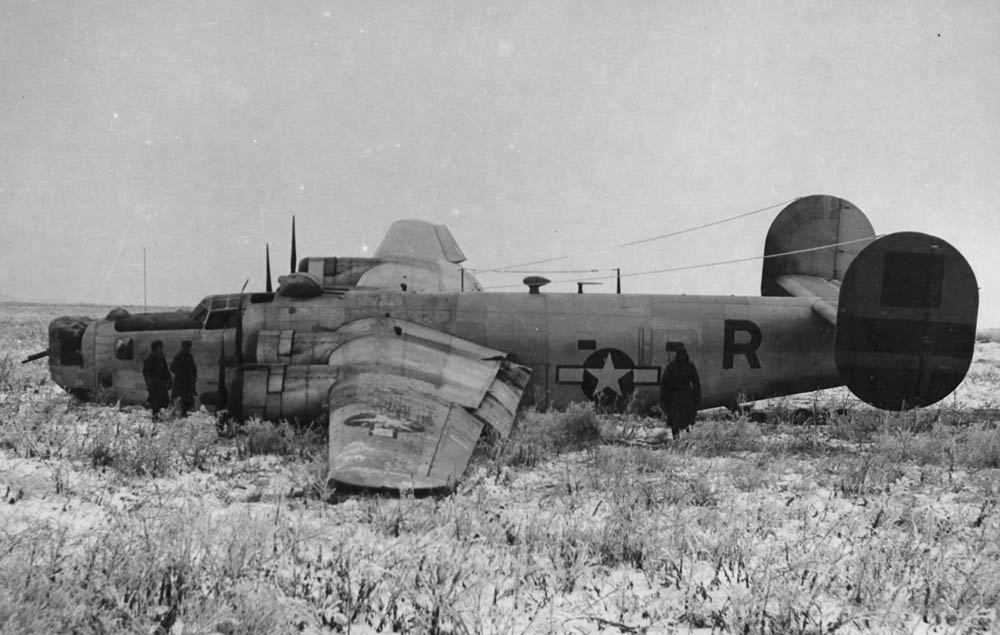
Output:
(66, 352)
(66, 340)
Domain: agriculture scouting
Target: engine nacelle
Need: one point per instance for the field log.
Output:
(282, 392)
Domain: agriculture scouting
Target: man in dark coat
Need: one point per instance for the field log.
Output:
(185, 377)
(158, 380)
(680, 392)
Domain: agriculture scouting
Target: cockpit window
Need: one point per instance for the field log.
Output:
(222, 311)
(199, 312)
(222, 318)
(217, 311)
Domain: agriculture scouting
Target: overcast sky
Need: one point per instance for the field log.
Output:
(532, 129)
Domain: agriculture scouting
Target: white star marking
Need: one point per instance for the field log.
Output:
(608, 376)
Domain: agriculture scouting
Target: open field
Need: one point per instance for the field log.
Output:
(874, 522)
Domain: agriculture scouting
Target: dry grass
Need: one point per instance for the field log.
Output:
(874, 522)
(988, 335)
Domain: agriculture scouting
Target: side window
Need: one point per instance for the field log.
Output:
(221, 318)
(124, 348)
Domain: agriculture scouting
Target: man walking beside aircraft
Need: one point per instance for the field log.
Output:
(158, 380)
(680, 392)
(185, 377)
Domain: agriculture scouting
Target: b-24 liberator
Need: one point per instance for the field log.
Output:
(407, 358)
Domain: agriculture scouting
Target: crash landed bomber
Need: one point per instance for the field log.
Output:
(407, 358)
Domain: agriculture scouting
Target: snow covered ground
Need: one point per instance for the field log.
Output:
(874, 522)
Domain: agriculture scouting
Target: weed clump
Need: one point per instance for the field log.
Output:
(541, 435)
(281, 439)
(975, 446)
(577, 428)
(7, 374)
(154, 450)
(856, 426)
(988, 336)
(720, 438)
(264, 437)
(867, 475)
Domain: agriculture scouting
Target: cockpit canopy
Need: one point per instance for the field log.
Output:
(222, 311)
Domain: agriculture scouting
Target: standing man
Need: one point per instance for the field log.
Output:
(185, 377)
(158, 380)
(680, 392)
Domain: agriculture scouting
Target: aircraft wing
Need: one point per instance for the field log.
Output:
(418, 240)
(419, 256)
(411, 403)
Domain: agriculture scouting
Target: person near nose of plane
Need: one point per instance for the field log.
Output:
(158, 379)
(185, 377)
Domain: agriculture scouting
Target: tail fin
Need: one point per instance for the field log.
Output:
(904, 306)
(815, 237)
(906, 321)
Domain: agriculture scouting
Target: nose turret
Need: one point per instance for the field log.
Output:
(66, 359)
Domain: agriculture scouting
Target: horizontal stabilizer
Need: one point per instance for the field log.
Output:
(824, 293)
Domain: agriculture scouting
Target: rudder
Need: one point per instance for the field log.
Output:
(906, 321)
(816, 236)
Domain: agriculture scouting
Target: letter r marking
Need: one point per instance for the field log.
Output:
(730, 348)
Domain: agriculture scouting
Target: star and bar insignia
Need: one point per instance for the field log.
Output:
(608, 374)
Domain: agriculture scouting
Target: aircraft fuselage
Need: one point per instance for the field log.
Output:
(609, 348)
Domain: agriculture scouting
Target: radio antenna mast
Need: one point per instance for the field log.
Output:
(144, 307)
